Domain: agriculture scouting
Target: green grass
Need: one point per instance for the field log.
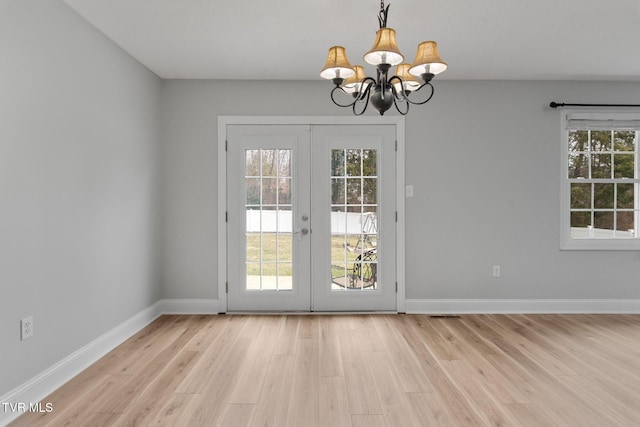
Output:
(279, 247)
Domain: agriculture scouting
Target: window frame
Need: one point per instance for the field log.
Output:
(567, 242)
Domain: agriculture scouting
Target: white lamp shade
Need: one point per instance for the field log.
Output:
(337, 65)
(427, 60)
(385, 49)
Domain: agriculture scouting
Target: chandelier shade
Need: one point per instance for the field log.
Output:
(427, 60)
(385, 49)
(353, 83)
(384, 90)
(410, 82)
(337, 65)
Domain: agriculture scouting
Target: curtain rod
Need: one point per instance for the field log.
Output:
(560, 104)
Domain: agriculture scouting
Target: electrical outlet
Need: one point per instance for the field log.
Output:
(26, 328)
(496, 271)
(408, 191)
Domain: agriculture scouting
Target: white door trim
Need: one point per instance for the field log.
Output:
(224, 121)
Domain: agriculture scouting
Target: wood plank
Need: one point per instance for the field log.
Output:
(430, 410)
(147, 404)
(127, 393)
(304, 399)
(236, 415)
(394, 401)
(482, 401)
(361, 389)
(334, 403)
(218, 386)
(177, 410)
(330, 350)
(273, 405)
(405, 364)
(248, 385)
(196, 381)
(359, 420)
(288, 336)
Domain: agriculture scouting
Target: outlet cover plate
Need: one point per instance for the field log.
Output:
(26, 328)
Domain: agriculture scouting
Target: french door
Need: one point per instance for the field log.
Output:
(311, 218)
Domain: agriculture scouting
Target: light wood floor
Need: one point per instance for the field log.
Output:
(367, 370)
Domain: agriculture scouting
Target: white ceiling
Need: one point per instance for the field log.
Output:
(289, 39)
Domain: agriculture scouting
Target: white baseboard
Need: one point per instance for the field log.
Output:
(52, 378)
(486, 306)
(189, 306)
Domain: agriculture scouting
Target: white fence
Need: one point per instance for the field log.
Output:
(281, 221)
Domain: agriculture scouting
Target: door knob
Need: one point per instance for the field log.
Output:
(301, 232)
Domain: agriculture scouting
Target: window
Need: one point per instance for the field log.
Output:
(600, 197)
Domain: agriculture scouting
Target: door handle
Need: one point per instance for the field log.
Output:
(301, 232)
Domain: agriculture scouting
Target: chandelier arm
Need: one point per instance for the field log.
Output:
(337, 103)
(399, 98)
(363, 99)
(369, 82)
(402, 95)
(426, 100)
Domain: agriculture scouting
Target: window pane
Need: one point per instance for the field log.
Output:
(624, 222)
(284, 163)
(370, 191)
(252, 163)
(601, 140)
(269, 191)
(337, 162)
(603, 220)
(337, 191)
(369, 163)
(338, 221)
(354, 191)
(269, 163)
(578, 140)
(601, 166)
(624, 140)
(253, 247)
(624, 166)
(285, 219)
(354, 166)
(339, 276)
(580, 196)
(603, 196)
(580, 219)
(284, 191)
(285, 247)
(578, 165)
(269, 247)
(253, 191)
(625, 196)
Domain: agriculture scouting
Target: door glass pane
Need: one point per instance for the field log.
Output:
(268, 208)
(354, 220)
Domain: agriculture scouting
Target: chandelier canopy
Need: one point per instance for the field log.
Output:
(383, 91)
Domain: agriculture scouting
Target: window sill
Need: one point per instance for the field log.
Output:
(569, 244)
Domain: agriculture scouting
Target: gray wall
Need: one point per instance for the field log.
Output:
(78, 150)
(483, 157)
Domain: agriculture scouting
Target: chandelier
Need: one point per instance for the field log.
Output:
(383, 92)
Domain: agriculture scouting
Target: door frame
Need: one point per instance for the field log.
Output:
(224, 121)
